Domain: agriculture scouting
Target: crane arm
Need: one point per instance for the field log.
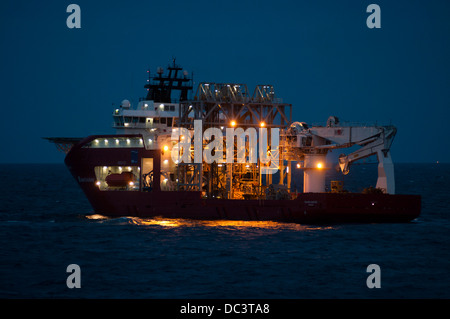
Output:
(377, 145)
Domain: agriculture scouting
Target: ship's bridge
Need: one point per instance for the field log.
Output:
(157, 113)
(147, 115)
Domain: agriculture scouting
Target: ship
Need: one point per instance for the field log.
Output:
(176, 154)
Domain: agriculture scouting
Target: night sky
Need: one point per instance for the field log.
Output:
(320, 56)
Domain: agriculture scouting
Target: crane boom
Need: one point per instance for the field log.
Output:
(379, 145)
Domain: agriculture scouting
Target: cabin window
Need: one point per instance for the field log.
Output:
(169, 121)
(117, 178)
(169, 108)
(163, 120)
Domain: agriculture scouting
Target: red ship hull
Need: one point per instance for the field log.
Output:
(305, 208)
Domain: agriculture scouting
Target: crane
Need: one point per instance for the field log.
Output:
(313, 143)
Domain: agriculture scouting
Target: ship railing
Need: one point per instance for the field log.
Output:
(172, 101)
(131, 125)
(238, 99)
(352, 124)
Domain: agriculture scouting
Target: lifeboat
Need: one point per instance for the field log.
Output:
(119, 180)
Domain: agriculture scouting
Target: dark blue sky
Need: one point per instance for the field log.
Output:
(320, 56)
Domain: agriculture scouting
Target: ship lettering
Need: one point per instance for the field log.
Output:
(85, 179)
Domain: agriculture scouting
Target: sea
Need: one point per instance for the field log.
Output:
(47, 224)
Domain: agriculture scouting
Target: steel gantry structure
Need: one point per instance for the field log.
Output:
(229, 105)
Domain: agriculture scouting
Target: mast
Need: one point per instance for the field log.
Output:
(160, 86)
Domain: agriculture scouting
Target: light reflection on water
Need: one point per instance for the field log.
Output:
(96, 217)
(238, 224)
(230, 224)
